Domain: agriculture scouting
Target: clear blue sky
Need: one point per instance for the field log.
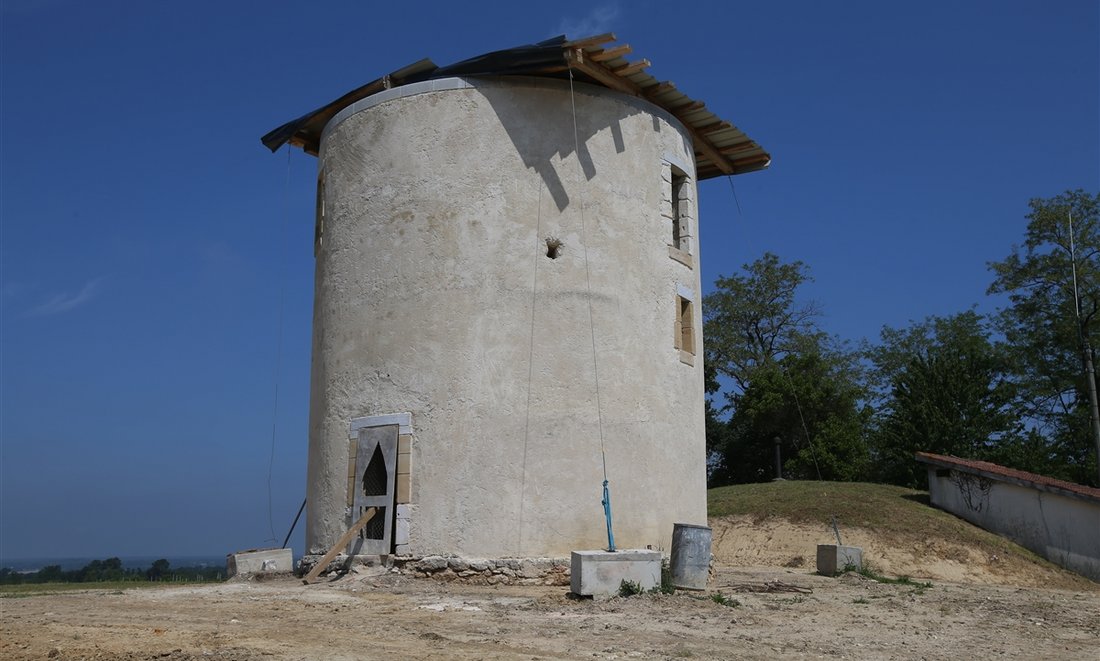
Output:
(142, 222)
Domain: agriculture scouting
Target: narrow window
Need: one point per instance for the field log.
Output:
(685, 325)
(319, 224)
(679, 219)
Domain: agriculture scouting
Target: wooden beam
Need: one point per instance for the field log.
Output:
(576, 58)
(631, 69)
(660, 88)
(578, 61)
(609, 54)
(721, 125)
(752, 161)
(335, 550)
(747, 145)
(685, 108)
(596, 40)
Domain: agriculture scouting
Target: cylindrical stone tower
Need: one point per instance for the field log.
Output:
(507, 304)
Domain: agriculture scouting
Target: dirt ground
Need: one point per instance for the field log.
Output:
(746, 541)
(391, 616)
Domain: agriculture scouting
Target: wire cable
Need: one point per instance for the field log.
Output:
(591, 321)
(530, 366)
(279, 343)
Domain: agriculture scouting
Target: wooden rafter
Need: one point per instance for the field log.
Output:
(577, 58)
(609, 54)
(632, 68)
(596, 40)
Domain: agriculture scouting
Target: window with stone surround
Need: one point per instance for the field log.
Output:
(684, 331)
(678, 214)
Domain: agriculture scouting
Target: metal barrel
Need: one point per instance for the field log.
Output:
(690, 562)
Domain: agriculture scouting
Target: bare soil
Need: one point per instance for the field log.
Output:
(375, 614)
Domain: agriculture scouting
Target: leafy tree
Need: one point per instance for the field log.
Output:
(943, 387)
(1042, 329)
(783, 369)
(810, 401)
(158, 571)
(50, 574)
(753, 319)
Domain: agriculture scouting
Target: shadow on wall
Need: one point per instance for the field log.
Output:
(520, 108)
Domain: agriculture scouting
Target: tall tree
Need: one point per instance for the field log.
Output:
(811, 404)
(1041, 326)
(754, 318)
(786, 379)
(943, 387)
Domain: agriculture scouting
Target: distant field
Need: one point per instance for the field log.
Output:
(36, 589)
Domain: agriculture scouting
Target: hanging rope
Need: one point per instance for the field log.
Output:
(591, 323)
(729, 178)
(279, 344)
(530, 365)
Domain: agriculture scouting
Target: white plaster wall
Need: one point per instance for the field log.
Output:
(1063, 529)
(434, 296)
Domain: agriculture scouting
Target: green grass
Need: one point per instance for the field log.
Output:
(723, 600)
(36, 589)
(868, 571)
(876, 506)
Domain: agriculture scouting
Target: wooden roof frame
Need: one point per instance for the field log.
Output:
(720, 147)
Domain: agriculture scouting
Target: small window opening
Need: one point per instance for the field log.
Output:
(319, 224)
(679, 228)
(554, 247)
(685, 323)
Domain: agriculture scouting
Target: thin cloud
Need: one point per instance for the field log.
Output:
(598, 21)
(65, 301)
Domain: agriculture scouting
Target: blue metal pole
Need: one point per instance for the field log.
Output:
(607, 515)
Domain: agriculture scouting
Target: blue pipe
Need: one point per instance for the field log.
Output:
(607, 515)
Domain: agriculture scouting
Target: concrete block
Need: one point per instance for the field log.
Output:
(255, 561)
(833, 558)
(600, 573)
(401, 532)
(404, 443)
(403, 512)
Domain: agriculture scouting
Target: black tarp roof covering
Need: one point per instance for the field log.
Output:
(532, 59)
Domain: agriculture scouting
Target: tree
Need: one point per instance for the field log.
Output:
(1043, 331)
(753, 319)
(782, 369)
(811, 403)
(158, 571)
(943, 387)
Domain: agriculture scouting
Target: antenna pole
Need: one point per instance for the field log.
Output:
(1086, 350)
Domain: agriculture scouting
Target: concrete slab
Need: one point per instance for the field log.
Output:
(600, 573)
(256, 561)
(833, 558)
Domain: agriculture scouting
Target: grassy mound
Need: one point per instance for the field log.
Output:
(878, 507)
(880, 516)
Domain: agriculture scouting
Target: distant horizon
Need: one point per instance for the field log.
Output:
(68, 563)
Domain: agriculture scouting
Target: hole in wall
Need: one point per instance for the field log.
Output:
(554, 247)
